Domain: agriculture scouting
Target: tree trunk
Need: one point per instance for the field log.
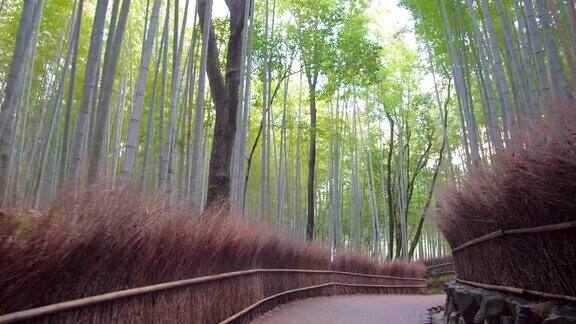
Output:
(297, 181)
(197, 174)
(225, 96)
(533, 109)
(424, 211)
(391, 212)
(119, 117)
(189, 99)
(564, 39)
(109, 77)
(356, 210)
(312, 80)
(561, 92)
(75, 42)
(520, 86)
(282, 168)
(538, 54)
(246, 112)
(148, 158)
(134, 124)
(265, 159)
(49, 131)
(236, 173)
(373, 204)
(29, 23)
(507, 109)
(177, 44)
(460, 86)
(161, 151)
(90, 80)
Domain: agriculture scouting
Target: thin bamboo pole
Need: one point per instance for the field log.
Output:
(529, 230)
(518, 291)
(440, 274)
(439, 265)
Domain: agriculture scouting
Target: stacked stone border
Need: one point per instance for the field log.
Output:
(468, 304)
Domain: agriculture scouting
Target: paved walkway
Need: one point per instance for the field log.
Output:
(358, 309)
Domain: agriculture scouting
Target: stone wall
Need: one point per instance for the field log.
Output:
(466, 304)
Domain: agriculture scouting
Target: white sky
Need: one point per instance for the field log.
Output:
(219, 9)
(389, 17)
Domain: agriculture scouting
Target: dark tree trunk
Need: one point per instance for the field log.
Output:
(312, 79)
(432, 187)
(225, 95)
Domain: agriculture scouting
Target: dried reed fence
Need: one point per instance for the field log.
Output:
(436, 267)
(512, 225)
(395, 285)
(433, 262)
(101, 242)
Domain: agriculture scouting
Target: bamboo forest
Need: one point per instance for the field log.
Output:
(334, 121)
(288, 161)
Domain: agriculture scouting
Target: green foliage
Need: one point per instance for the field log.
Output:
(356, 65)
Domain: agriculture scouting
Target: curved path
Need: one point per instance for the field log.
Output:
(357, 309)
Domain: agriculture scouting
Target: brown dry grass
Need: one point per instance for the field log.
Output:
(531, 184)
(359, 263)
(102, 241)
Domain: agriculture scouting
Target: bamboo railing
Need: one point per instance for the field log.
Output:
(434, 271)
(518, 291)
(527, 230)
(98, 299)
(519, 231)
(439, 265)
(260, 302)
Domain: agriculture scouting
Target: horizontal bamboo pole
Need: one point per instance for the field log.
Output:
(545, 228)
(439, 274)
(288, 292)
(528, 230)
(439, 265)
(518, 291)
(480, 239)
(98, 299)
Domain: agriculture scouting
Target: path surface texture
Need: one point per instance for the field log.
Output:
(358, 309)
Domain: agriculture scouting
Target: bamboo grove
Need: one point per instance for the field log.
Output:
(305, 114)
(513, 64)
